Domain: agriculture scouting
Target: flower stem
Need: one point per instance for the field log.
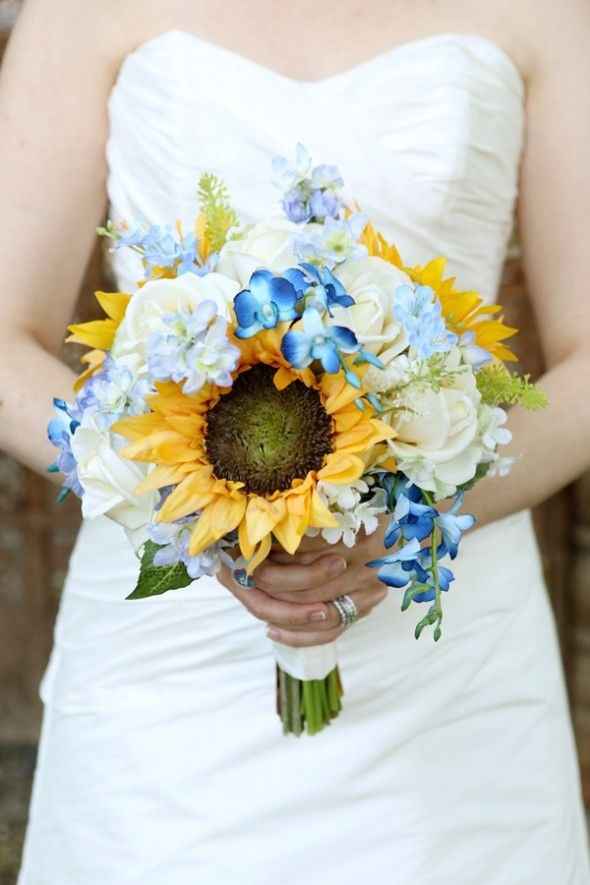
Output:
(308, 705)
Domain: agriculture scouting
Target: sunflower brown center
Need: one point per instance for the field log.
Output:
(266, 437)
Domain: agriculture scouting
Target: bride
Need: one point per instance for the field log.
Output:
(161, 760)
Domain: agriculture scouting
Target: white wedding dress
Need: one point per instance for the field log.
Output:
(162, 761)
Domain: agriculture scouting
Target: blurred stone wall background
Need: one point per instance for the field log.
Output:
(36, 536)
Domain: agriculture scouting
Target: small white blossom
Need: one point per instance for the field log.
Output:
(351, 512)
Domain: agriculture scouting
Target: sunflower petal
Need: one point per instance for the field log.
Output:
(192, 494)
(260, 555)
(341, 467)
(223, 515)
(319, 516)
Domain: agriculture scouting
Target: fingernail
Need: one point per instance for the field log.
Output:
(273, 634)
(319, 615)
(337, 566)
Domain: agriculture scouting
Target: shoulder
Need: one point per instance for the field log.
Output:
(545, 37)
(99, 34)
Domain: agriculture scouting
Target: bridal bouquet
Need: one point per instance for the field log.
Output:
(287, 378)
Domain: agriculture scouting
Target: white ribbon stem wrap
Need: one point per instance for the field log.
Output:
(306, 663)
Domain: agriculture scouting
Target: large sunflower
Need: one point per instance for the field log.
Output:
(463, 311)
(249, 458)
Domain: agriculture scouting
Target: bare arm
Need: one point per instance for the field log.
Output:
(54, 85)
(553, 446)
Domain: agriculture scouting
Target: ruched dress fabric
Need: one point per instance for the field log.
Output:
(161, 759)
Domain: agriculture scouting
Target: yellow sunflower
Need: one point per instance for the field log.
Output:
(463, 311)
(99, 334)
(249, 458)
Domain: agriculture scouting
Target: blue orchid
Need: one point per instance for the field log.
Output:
(452, 525)
(398, 569)
(412, 518)
(445, 575)
(318, 287)
(411, 565)
(317, 341)
(269, 300)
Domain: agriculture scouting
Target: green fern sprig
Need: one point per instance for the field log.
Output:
(499, 386)
(217, 210)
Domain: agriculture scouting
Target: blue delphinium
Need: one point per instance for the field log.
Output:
(419, 312)
(310, 194)
(336, 241)
(269, 300)
(318, 341)
(476, 356)
(193, 349)
(159, 246)
(113, 392)
(318, 287)
(173, 539)
(60, 431)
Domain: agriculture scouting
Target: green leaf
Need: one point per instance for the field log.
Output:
(157, 579)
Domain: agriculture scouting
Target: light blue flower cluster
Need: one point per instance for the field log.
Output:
(160, 247)
(173, 540)
(332, 243)
(419, 312)
(113, 392)
(60, 431)
(193, 349)
(310, 193)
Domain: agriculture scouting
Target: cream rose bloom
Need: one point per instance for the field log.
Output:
(109, 481)
(157, 298)
(372, 283)
(268, 244)
(437, 444)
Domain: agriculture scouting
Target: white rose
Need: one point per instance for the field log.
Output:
(109, 481)
(372, 282)
(157, 298)
(437, 433)
(268, 244)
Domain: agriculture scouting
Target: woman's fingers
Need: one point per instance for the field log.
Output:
(304, 638)
(265, 608)
(271, 576)
(353, 579)
(365, 601)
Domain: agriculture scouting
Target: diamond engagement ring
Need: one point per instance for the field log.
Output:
(346, 608)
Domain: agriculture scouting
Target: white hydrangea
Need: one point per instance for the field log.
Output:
(351, 512)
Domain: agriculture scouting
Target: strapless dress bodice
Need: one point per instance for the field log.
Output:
(428, 138)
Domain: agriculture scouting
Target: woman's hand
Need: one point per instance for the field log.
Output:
(293, 593)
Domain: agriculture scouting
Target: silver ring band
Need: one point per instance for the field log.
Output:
(346, 608)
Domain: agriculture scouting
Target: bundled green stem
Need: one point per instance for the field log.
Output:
(308, 705)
